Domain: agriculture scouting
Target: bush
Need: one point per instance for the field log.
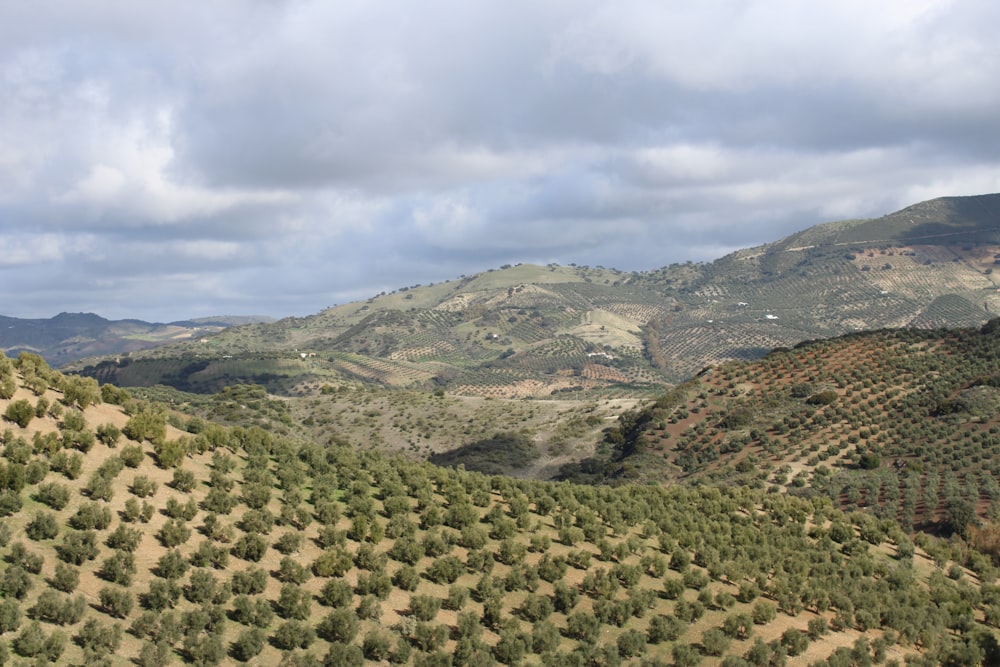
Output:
(171, 565)
(43, 526)
(132, 455)
(116, 601)
(22, 558)
(173, 533)
(763, 612)
(143, 487)
(10, 615)
(250, 548)
(293, 602)
(52, 494)
(249, 582)
(65, 578)
(15, 583)
(30, 641)
(714, 641)
(631, 643)
(293, 634)
(108, 434)
(91, 516)
(795, 641)
(424, 607)
(336, 593)
(445, 570)
(124, 538)
(58, 608)
(340, 625)
(118, 568)
(161, 595)
(248, 644)
(20, 412)
(252, 611)
(97, 640)
(376, 645)
(78, 548)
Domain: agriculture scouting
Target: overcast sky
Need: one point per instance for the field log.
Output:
(165, 160)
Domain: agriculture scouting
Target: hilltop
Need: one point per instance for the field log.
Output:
(135, 535)
(591, 332)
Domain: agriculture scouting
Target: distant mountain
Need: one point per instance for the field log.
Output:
(70, 336)
(572, 331)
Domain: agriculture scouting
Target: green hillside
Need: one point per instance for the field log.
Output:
(903, 424)
(134, 535)
(590, 333)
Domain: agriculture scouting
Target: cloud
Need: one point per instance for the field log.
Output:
(165, 161)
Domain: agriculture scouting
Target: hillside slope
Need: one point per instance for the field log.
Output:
(128, 541)
(532, 331)
(901, 423)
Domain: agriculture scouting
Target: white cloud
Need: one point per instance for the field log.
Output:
(352, 147)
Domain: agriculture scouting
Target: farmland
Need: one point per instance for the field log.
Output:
(135, 535)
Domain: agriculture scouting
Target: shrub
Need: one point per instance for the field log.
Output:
(116, 601)
(53, 494)
(293, 634)
(336, 593)
(20, 412)
(161, 595)
(340, 625)
(173, 533)
(445, 570)
(631, 643)
(376, 645)
(714, 641)
(58, 608)
(143, 487)
(10, 615)
(249, 582)
(171, 565)
(124, 538)
(252, 611)
(248, 644)
(78, 548)
(91, 516)
(132, 455)
(22, 558)
(250, 547)
(108, 434)
(795, 641)
(293, 602)
(65, 578)
(424, 607)
(118, 568)
(763, 612)
(97, 640)
(43, 526)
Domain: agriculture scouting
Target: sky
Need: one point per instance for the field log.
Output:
(167, 160)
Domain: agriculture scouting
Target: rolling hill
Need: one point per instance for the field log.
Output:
(134, 535)
(591, 332)
(903, 424)
(70, 336)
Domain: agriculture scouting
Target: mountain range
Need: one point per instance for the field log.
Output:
(70, 336)
(573, 331)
